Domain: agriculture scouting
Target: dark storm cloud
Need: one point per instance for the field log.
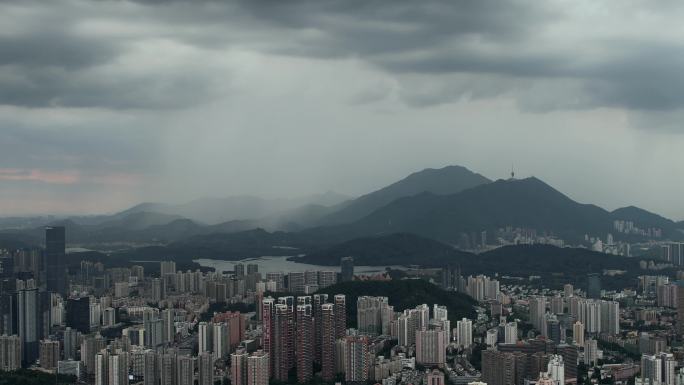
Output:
(53, 62)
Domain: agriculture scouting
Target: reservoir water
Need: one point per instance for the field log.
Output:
(273, 264)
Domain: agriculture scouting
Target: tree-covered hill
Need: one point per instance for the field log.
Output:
(404, 294)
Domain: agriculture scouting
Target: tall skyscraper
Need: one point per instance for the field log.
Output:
(29, 320)
(55, 264)
(593, 286)
(346, 269)
(305, 341)
(328, 341)
(78, 314)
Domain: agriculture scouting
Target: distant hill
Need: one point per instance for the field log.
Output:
(555, 266)
(243, 207)
(393, 249)
(138, 220)
(447, 180)
(404, 294)
(228, 246)
(644, 218)
(526, 202)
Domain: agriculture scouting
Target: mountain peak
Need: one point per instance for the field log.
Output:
(441, 181)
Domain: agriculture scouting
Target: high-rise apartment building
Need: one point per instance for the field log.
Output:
(369, 314)
(326, 278)
(340, 316)
(281, 338)
(578, 333)
(206, 369)
(295, 282)
(318, 301)
(219, 345)
(185, 370)
(430, 348)
(49, 354)
(238, 368)
(328, 341)
(511, 333)
(305, 343)
(538, 312)
(258, 368)
(167, 267)
(10, 352)
(357, 360)
(205, 338)
(556, 369)
(464, 333)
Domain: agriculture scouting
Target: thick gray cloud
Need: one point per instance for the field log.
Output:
(79, 53)
(106, 103)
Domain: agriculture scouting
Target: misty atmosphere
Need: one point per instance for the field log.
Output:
(319, 192)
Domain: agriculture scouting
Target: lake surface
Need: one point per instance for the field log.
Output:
(274, 264)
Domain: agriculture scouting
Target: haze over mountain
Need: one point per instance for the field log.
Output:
(441, 204)
(217, 210)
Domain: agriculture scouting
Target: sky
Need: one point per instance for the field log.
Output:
(104, 104)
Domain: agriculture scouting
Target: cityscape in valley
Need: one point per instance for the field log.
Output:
(341, 192)
(541, 299)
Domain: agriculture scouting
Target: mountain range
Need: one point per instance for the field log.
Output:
(525, 203)
(439, 204)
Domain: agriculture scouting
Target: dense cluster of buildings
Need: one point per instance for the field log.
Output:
(125, 325)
